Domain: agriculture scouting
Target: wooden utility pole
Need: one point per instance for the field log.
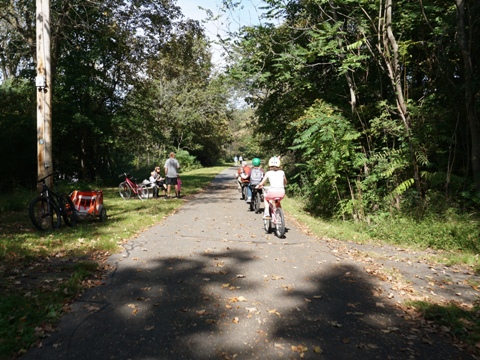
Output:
(44, 91)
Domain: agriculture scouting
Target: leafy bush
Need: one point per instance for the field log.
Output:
(187, 162)
(447, 231)
(328, 148)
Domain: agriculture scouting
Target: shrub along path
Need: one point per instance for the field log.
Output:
(209, 283)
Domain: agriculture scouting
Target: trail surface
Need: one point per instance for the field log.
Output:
(209, 283)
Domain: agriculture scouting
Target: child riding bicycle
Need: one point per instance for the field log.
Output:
(277, 180)
(256, 176)
(243, 176)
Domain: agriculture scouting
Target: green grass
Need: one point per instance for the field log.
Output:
(455, 236)
(42, 271)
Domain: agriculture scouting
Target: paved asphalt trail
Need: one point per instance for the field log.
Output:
(209, 283)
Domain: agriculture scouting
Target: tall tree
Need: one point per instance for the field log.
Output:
(467, 28)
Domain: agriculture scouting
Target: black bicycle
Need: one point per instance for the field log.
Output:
(257, 199)
(47, 209)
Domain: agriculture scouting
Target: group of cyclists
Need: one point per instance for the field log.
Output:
(255, 176)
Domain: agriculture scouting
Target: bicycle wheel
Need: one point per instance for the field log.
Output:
(69, 213)
(44, 214)
(252, 201)
(142, 192)
(267, 224)
(103, 215)
(279, 222)
(124, 190)
(257, 201)
(244, 192)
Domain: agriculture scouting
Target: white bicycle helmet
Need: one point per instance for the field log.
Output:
(274, 161)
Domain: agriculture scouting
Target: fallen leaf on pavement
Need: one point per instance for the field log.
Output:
(336, 324)
(299, 348)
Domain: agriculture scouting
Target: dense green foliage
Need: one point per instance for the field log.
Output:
(132, 81)
(370, 102)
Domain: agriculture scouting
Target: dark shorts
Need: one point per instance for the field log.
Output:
(170, 181)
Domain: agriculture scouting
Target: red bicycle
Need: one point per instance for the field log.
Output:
(129, 186)
(277, 220)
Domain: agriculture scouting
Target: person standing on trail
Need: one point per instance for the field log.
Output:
(236, 160)
(171, 173)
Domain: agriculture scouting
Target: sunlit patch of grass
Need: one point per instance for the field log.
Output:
(319, 227)
(463, 323)
(455, 238)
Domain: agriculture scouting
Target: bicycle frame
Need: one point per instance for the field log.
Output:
(51, 205)
(257, 198)
(128, 184)
(134, 186)
(48, 192)
(273, 205)
(277, 217)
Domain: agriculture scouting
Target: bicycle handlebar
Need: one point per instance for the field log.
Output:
(43, 179)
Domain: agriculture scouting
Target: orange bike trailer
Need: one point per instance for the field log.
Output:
(89, 204)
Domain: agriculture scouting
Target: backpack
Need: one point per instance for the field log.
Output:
(256, 175)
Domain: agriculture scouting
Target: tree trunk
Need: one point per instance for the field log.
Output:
(472, 119)
(390, 55)
(351, 86)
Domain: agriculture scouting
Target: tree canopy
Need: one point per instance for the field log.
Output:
(132, 80)
(374, 103)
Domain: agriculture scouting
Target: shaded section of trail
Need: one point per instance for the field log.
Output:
(208, 283)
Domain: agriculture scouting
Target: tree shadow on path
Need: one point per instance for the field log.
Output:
(215, 305)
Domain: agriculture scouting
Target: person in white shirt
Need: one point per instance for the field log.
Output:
(276, 178)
